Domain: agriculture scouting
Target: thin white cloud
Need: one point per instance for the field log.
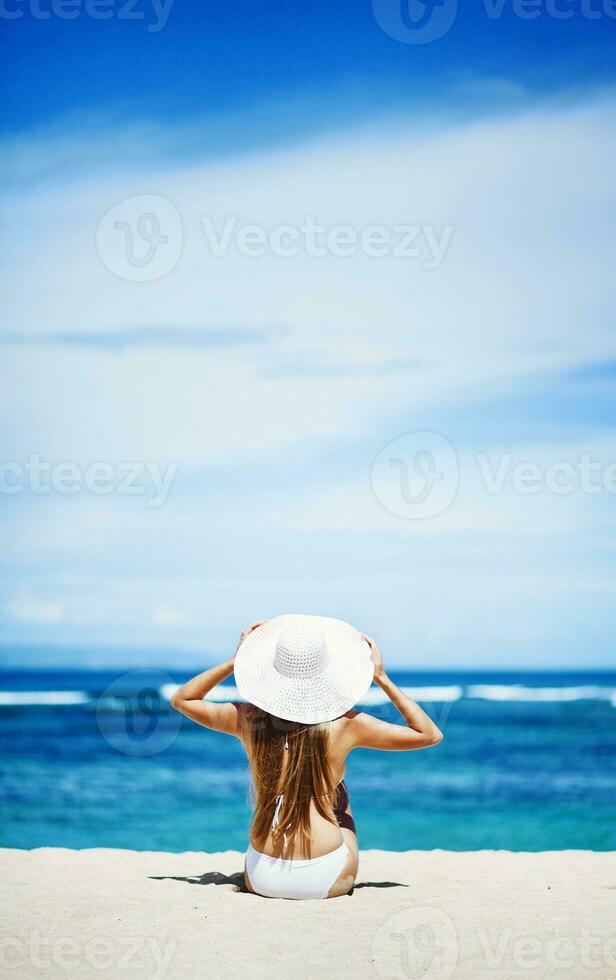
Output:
(170, 618)
(32, 611)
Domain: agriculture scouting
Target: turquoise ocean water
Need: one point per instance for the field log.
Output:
(98, 759)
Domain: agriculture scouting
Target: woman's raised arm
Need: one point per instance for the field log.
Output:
(188, 699)
(372, 733)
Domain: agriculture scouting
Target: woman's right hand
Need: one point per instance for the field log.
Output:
(377, 660)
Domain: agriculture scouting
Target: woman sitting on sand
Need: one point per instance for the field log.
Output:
(300, 676)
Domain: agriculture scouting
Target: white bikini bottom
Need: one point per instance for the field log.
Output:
(275, 877)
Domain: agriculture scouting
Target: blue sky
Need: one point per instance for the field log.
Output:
(265, 386)
(221, 57)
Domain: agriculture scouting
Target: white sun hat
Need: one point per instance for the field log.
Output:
(308, 669)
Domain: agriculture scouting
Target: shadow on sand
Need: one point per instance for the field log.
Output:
(237, 879)
(210, 878)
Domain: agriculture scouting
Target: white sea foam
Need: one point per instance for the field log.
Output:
(519, 692)
(222, 692)
(22, 698)
(428, 694)
(450, 692)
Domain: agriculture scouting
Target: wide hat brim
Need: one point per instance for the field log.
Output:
(309, 700)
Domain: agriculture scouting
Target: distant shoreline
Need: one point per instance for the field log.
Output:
(25, 659)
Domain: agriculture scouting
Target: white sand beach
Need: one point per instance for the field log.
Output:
(430, 914)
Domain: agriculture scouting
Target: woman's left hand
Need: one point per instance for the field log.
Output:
(248, 631)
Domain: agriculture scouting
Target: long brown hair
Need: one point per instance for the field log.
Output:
(288, 759)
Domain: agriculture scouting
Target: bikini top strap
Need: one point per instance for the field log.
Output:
(279, 802)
